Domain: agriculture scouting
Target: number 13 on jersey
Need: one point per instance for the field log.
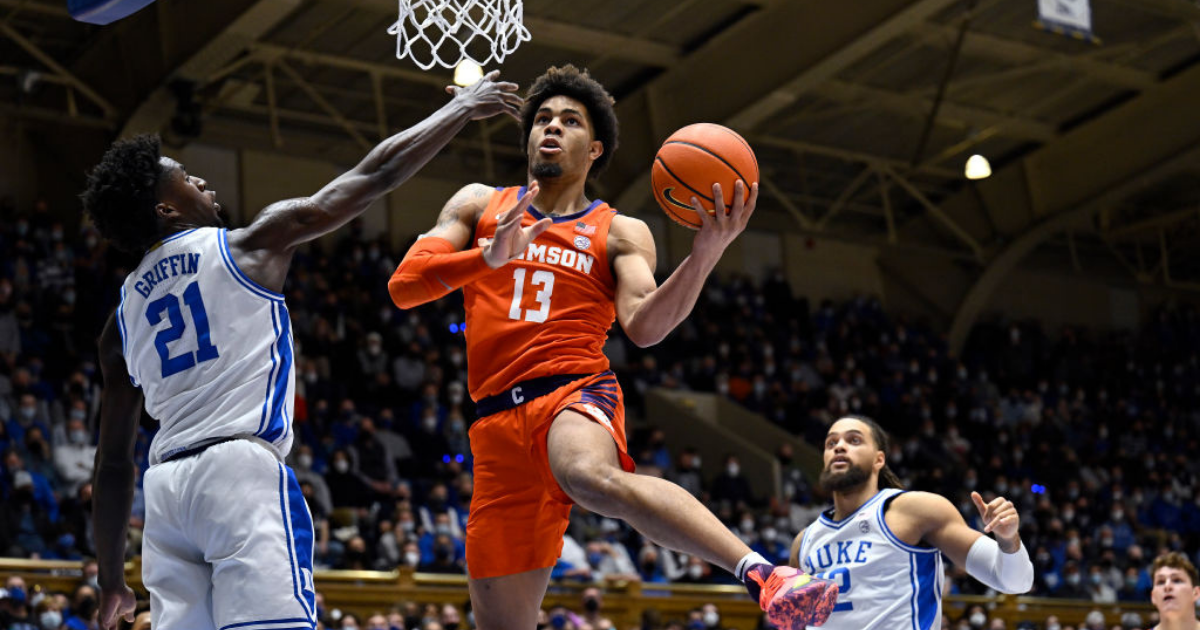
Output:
(542, 279)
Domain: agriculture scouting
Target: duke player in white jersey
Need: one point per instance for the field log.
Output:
(202, 336)
(884, 545)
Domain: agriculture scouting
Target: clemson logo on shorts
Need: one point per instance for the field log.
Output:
(595, 412)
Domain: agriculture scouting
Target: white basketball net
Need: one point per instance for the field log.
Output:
(432, 32)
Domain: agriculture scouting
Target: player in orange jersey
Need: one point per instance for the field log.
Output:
(544, 272)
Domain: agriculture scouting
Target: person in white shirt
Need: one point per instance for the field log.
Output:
(75, 458)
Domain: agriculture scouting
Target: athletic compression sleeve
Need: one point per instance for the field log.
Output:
(432, 269)
(1010, 573)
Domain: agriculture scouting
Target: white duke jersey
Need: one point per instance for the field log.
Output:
(883, 583)
(210, 349)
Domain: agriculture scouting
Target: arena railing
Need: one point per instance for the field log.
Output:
(364, 592)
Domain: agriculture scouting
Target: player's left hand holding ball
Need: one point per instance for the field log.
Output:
(717, 230)
(1000, 518)
(115, 604)
(488, 97)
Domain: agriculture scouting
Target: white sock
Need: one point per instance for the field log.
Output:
(746, 562)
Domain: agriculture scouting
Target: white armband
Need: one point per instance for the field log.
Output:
(1010, 573)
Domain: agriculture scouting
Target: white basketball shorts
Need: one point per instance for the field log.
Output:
(228, 542)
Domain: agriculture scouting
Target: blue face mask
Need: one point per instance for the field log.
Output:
(17, 594)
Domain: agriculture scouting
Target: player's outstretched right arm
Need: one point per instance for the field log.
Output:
(264, 248)
(435, 265)
(112, 496)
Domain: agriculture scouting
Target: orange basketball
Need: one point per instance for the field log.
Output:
(691, 161)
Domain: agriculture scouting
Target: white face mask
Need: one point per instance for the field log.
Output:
(412, 558)
(305, 461)
(51, 620)
(341, 465)
(733, 470)
(711, 619)
(978, 619)
(696, 571)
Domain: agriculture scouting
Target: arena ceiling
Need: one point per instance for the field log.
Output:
(862, 114)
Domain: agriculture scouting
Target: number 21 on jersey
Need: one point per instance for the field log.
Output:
(544, 282)
(169, 304)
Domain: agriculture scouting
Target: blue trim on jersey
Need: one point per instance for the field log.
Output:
(277, 426)
(927, 591)
(269, 622)
(271, 376)
(302, 538)
(563, 219)
(895, 540)
(827, 521)
(262, 418)
(177, 235)
(912, 581)
(290, 540)
(124, 336)
(236, 272)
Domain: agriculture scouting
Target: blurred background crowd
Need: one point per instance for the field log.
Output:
(1089, 434)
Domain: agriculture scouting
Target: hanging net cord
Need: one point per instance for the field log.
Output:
(433, 32)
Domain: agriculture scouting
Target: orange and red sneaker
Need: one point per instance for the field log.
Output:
(792, 599)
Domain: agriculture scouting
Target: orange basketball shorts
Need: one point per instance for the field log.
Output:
(518, 511)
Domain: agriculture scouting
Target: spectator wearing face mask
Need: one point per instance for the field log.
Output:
(303, 465)
(15, 612)
(450, 617)
(730, 486)
(84, 611)
(1098, 588)
(48, 614)
(29, 414)
(711, 617)
(976, 617)
(592, 603)
(687, 474)
(444, 557)
(74, 459)
(346, 486)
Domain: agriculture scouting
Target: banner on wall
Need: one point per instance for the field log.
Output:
(1067, 17)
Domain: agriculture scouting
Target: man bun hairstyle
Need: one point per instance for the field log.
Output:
(122, 193)
(887, 478)
(575, 83)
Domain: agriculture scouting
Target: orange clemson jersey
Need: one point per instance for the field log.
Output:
(547, 312)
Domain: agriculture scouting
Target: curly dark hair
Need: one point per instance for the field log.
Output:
(577, 84)
(122, 192)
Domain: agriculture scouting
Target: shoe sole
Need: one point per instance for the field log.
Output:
(804, 607)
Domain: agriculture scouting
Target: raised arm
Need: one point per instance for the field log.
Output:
(112, 496)
(435, 266)
(648, 313)
(264, 248)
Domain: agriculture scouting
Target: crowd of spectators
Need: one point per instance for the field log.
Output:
(1088, 433)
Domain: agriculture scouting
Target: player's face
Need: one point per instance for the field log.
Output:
(189, 197)
(850, 455)
(1174, 592)
(561, 141)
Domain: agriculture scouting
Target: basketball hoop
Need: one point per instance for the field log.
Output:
(445, 32)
